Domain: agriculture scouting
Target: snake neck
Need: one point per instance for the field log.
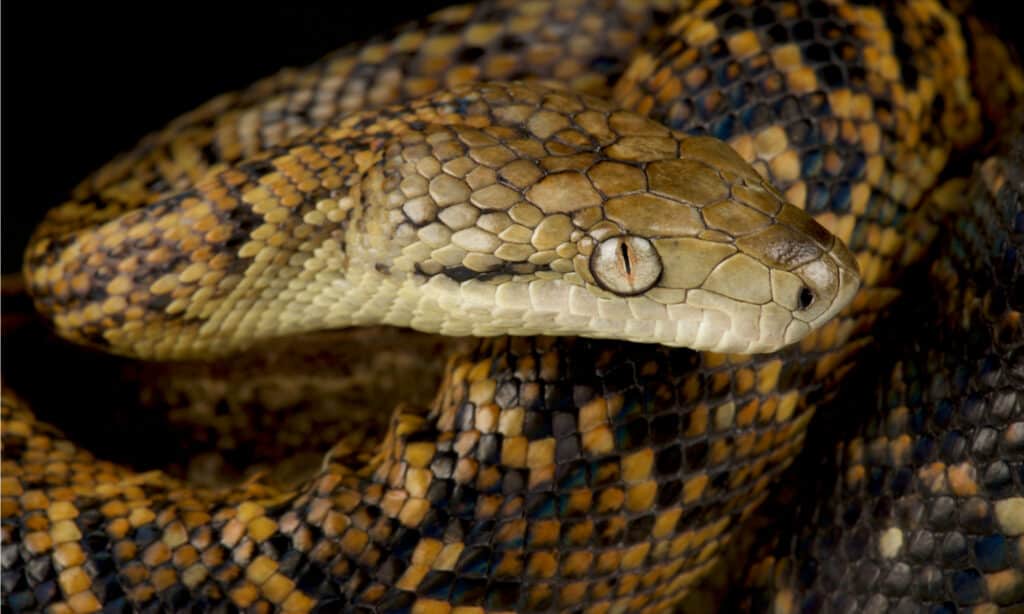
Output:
(141, 282)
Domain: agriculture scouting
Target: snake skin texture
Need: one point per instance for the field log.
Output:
(548, 473)
(491, 209)
(921, 505)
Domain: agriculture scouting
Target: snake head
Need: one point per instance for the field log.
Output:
(736, 266)
(709, 252)
(650, 236)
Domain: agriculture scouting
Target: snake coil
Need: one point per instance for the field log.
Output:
(435, 178)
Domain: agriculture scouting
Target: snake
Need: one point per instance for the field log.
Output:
(363, 225)
(921, 504)
(662, 313)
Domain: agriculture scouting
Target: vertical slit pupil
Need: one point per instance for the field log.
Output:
(624, 249)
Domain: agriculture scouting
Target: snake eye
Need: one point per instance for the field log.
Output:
(805, 298)
(626, 265)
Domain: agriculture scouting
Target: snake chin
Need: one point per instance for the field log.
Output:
(700, 319)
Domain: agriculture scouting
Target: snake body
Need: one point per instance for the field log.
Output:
(548, 473)
(922, 502)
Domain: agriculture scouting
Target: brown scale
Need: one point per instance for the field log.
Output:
(324, 234)
(272, 411)
(536, 491)
(586, 43)
(549, 466)
(920, 501)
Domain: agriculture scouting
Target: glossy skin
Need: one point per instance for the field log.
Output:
(482, 211)
(547, 474)
(922, 489)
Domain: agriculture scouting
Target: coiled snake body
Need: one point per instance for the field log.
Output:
(562, 473)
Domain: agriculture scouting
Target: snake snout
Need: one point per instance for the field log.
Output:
(830, 281)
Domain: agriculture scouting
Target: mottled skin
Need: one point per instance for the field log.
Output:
(491, 209)
(563, 474)
(921, 503)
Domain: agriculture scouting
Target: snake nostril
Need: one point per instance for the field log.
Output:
(805, 298)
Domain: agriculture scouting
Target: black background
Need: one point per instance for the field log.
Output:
(84, 81)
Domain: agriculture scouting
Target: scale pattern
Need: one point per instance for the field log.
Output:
(535, 482)
(585, 44)
(628, 468)
(488, 209)
(921, 507)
